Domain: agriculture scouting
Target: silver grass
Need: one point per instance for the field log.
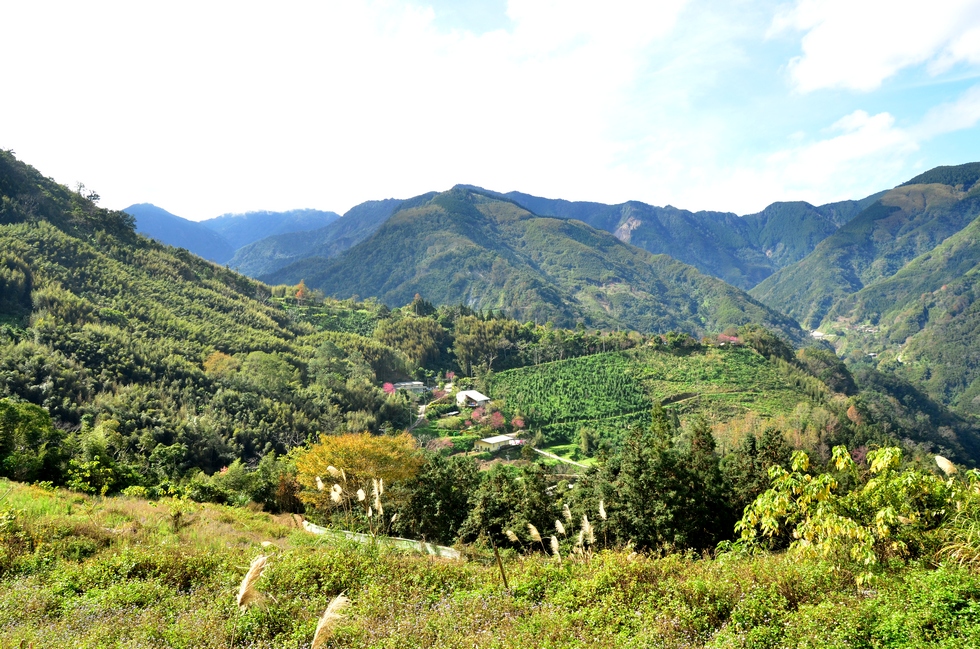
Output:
(333, 614)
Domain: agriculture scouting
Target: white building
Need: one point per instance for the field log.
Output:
(497, 442)
(471, 398)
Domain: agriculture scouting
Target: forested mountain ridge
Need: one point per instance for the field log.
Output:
(923, 322)
(468, 246)
(902, 224)
(274, 252)
(742, 250)
(157, 223)
(248, 227)
(159, 348)
(219, 238)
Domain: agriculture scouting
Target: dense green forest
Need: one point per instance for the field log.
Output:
(900, 225)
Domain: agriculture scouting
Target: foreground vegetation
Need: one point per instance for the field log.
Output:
(93, 572)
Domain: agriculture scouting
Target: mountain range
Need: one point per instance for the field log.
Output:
(471, 247)
(217, 239)
(890, 278)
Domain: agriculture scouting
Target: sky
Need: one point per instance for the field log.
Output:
(205, 108)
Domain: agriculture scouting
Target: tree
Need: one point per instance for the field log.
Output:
(362, 457)
(508, 499)
(438, 499)
(746, 469)
(655, 492)
(268, 372)
(30, 446)
(302, 292)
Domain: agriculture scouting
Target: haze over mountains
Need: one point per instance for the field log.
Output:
(217, 239)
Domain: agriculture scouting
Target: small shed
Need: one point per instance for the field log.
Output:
(495, 443)
(471, 398)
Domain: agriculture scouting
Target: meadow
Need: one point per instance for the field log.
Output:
(91, 572)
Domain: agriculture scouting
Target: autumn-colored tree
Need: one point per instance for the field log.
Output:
(221, 365)
(301, 291)
(362, 457)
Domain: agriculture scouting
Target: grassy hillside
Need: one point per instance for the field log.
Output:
(740, 250)
(119, 572)
(905, 222)
(466, 247)
(277, 251)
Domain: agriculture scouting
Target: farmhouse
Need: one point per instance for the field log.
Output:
(415, 387)
(497, 442)
(471, 398)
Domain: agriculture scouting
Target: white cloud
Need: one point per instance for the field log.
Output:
(209, 107)
(961, 114)
(857, 44)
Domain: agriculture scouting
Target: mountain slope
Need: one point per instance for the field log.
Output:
(242, 229)
(903, 223)
(740, 250)
(923, 321)
(466, 246)
(138, 346)
(157, 223)
(274, 252)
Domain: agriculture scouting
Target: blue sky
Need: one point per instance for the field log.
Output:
(206, 108)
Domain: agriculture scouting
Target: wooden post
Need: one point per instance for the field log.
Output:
(500, 564)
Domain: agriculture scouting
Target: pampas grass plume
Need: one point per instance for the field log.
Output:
(333, 471)
(566, 512)
(560, 528)
(333, 614)
(335, 493)
(319, 484)
(361, 495)
(554, 547)
(587, 530)
(535, 535)
(513, 537)
(602, 510)
(248, 594)
(947, 467)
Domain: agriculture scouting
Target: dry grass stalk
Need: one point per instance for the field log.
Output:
(560, 528)
(513, 537)
(947, 467)
(248, 594)
(378, 488)
(333, 614)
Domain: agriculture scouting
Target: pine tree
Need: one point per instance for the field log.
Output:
(712, 518)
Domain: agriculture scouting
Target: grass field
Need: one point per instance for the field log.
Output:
(87, 573)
